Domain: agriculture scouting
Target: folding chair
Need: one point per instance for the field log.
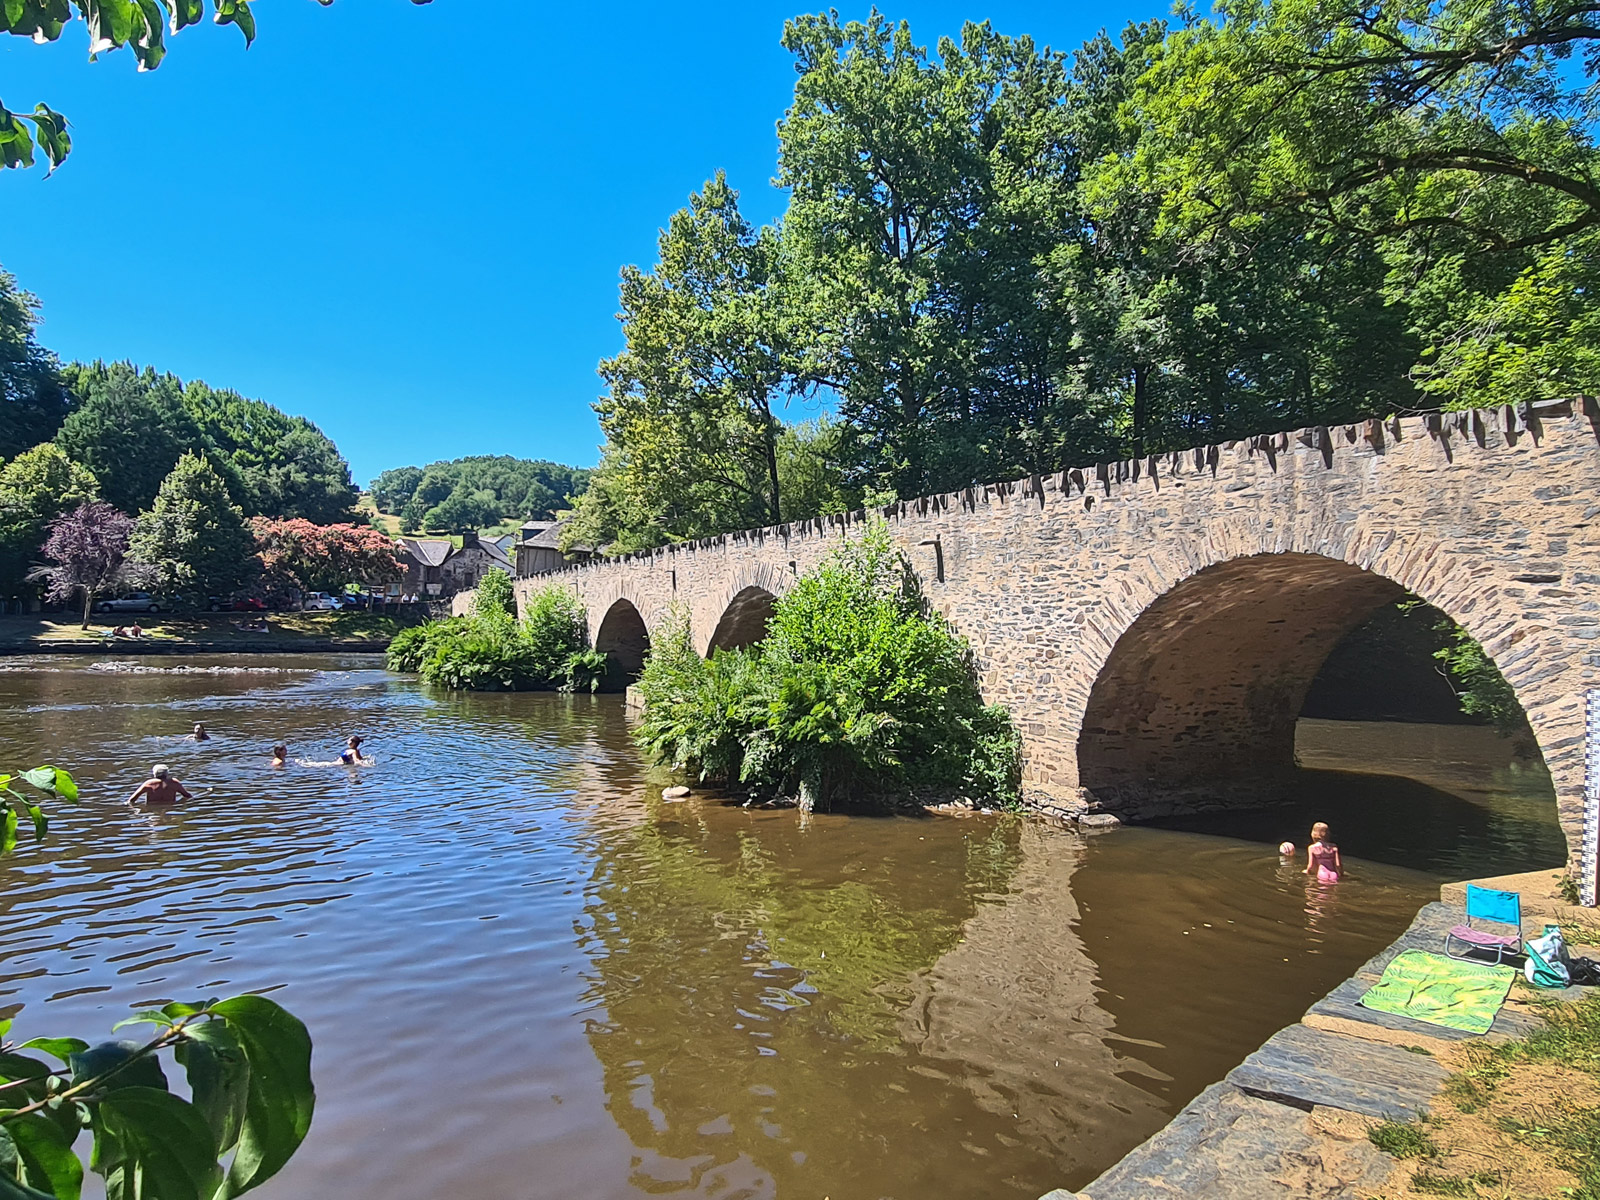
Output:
(1497, 908)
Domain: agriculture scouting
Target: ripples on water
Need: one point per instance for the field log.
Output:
(527, 976)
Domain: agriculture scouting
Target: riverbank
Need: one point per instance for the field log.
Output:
(203, 633)
(1296, 1118)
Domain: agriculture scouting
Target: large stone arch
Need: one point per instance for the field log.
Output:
(621, 634)
(1203, 656)
(736, 613)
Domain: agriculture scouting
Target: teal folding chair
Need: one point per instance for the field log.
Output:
(1495, 908)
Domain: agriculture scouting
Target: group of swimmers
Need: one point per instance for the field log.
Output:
(162, 788)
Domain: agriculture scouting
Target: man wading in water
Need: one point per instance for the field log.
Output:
(160, 788)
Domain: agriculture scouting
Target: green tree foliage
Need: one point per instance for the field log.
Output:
(129, 429)
(247, 1063)
(1453, 138)
(811, 458)
(194, 540)
(141, 25)
(36, 487)
(32, 401)
(691, 439)
(471, 493)
(857, 690)
(493, 651)
(131, 426)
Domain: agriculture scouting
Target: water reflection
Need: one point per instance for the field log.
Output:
(529, 976)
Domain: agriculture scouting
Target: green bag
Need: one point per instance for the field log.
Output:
(1547, 959)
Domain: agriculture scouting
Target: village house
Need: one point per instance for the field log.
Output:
(436, 568)
(538, 549)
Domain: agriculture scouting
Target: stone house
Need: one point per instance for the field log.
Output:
(436, 568)
(538, 549)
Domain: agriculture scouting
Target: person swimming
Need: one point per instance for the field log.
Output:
(199, 734)
(1322, 856)
(280, 755)
(160, 788)
(351, 755)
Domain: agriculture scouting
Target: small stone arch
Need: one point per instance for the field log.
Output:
(744, 622)
(737, 613)
(622, 636)
(1202, 658)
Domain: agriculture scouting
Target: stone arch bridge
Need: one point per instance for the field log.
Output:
(1154, 625)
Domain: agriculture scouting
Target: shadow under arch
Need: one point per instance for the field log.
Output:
(744, 621)
(624, 639)
(1197, 703)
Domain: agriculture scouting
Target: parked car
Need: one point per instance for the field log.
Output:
(244, 604)
(321, 602)
(133, 602)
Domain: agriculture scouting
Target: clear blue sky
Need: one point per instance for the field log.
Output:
(405, 222)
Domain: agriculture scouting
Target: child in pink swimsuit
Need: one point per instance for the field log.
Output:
(1322, 856)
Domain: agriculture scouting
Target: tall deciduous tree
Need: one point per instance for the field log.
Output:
(32, 401)
(194, 539)
(129, 429)
(88, 553)
(36, 487)
(688, 410)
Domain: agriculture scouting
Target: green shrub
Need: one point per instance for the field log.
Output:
(584, 671)
(493, 651)
(496, 596)
(857, 688)
(1402, 1139)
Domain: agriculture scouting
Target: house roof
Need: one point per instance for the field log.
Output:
(546, 535)
(492, 549)
(430, 552)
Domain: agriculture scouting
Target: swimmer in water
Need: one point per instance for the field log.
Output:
(160, 788)
(280, 756)
(1322, 856)
(199, 734)
(351, 755)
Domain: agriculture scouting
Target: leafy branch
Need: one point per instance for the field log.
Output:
(247, 1062)
(50, 780)
(140, 25)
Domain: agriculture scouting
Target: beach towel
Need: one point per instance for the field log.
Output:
(1441, 991)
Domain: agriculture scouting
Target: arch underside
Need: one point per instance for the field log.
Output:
(1198, 700)
(744, 622)
(625, 641)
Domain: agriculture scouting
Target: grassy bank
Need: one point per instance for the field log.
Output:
(1518, 1119)
(220, 629)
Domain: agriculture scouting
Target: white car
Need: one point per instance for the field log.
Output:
(321, 602)
(135, 602)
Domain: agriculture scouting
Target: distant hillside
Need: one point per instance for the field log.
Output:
(479, 492)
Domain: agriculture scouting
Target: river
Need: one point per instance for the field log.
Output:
(529, 976)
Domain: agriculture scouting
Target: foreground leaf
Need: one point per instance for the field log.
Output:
(45, 1151)
(121, 1058)
(280, 1097)
(160, 1147)
(219, 1078)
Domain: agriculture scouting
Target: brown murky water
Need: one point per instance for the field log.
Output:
(527, 976)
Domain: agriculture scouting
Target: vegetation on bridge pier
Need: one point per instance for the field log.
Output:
(857, 690)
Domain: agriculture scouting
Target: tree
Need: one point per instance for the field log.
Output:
(32, 401)
(810, 464)
(463, 510)
(286, 466)
(392, 489)
(129, 429)
(695, 385)
(297, 555)
(194, 539)
(87, 549)
(141, 25)
(36, 487)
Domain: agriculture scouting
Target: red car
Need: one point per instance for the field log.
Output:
(245, 604)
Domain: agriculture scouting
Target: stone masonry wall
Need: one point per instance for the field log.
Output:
(1068, 586)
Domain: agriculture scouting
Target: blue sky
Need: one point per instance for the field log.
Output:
(405, 222)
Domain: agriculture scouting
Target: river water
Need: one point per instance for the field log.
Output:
(528, 976)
